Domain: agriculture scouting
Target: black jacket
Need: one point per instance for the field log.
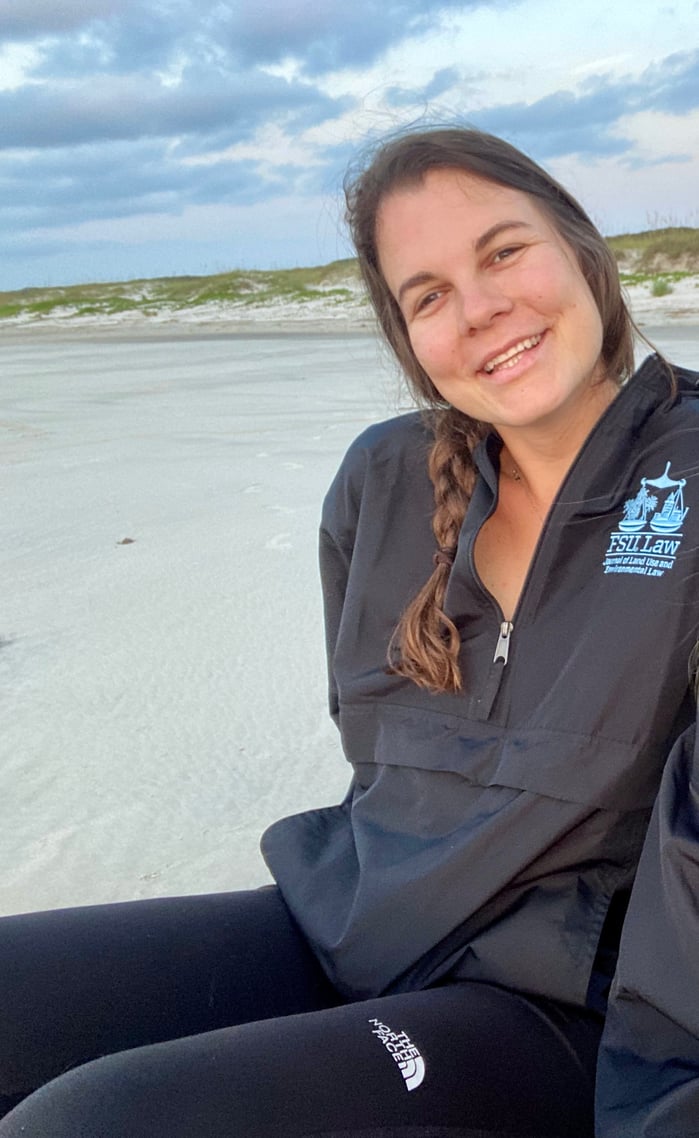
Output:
(485, 833)
(648, 1083)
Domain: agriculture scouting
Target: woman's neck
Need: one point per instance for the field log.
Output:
(540, 456)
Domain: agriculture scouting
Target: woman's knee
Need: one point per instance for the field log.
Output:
(96, 1100)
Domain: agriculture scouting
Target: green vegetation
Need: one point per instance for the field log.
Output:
(335, 283)
(676, 243)
(650, 278)
(661, 286)
(658, 258)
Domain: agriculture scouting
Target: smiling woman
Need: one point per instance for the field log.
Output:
(506, 327)
(502, 303)
(502, 321)
(435, 957)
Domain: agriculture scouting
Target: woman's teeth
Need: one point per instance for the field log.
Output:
(511, 356)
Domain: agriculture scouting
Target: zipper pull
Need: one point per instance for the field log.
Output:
(502, 648)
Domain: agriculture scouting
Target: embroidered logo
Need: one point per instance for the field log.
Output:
(405, 1053)
(649, 535)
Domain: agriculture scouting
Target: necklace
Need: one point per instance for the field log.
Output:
(508, 467)
(515, 474)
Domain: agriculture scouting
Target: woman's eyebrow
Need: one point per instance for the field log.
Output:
(413, 282)
(495, 230)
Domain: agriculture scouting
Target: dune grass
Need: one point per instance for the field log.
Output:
(678, 243)
(244, 288)
(658, 258)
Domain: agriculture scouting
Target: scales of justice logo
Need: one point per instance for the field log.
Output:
(648, 537)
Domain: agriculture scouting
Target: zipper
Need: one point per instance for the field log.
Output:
(502, 648)
(484, 702)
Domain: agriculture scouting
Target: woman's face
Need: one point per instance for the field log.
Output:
(498, 312)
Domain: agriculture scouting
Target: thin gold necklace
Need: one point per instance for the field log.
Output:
(516, 476)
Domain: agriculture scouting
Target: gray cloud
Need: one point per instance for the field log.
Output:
(33, 19)
(441, 82)
(327, 34)
(675, 82)
(135, 37)
(567, 123)
(123, 35)
(126, 179)
(113, 108)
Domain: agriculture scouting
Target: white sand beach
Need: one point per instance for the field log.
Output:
(161, 649)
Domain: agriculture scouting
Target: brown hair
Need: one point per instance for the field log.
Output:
(425, 645)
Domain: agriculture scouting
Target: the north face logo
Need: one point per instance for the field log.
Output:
(404, 1052)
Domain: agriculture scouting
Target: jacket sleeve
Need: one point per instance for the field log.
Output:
(648, 1077)
(334, 570)
(336, 546)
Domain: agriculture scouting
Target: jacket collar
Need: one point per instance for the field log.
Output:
(598, 478)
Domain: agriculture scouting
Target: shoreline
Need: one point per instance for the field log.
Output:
(161, 331)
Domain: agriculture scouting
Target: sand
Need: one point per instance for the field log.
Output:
(161, 645)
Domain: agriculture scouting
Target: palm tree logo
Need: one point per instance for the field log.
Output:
(637, 509)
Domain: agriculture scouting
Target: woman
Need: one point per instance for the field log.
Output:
(435, 958)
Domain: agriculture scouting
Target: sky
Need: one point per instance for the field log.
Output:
(143, 138)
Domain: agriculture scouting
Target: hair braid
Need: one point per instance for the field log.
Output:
(425, 645)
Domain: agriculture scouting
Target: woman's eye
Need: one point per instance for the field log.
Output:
(503, 254)
(426, 300)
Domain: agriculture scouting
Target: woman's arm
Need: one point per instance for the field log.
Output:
(648, 1078)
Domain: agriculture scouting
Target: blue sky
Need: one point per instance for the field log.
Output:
(155, 137)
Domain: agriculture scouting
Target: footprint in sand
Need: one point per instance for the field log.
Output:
(279, 541)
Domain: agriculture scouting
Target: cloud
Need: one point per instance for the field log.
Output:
(134, 38)
(558, 124)
(320, 35)
(674, 83)
(133, 107)
(442, 81)
(34, 19)
(324, 35)
(588, 122)
(125, 179)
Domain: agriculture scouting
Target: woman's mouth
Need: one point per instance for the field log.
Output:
(513, 355)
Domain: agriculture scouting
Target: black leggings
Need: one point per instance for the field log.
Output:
(214, 1020)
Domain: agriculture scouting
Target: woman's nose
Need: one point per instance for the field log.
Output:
(481, 301)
